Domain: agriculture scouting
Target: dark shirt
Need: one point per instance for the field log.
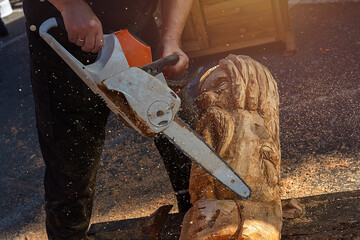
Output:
(113, 14)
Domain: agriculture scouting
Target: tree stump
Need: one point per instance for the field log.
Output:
(239, 107)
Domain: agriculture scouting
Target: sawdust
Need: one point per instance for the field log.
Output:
(320, 174)
(132, 181)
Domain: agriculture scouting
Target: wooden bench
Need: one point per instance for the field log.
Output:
(223, 25)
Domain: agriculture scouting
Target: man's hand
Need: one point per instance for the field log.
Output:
(83, 27)
(170, 47)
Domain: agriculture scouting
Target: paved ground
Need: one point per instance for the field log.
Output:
(319, 116)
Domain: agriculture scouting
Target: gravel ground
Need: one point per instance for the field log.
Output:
(319, 117)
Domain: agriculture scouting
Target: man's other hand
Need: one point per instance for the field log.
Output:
(169, 47)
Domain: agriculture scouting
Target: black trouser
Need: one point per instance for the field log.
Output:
(3, 30)
(71, 123)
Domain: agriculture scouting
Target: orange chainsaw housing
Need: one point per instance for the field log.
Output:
(137, 53)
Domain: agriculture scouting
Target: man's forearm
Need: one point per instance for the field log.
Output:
(174, 15)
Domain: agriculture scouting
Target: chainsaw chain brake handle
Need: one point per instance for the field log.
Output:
(153, 104)
(157, 66)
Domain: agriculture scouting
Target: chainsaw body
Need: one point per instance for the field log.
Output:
(153, 104)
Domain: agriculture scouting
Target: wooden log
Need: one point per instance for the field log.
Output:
(329, 216)
(239, 107)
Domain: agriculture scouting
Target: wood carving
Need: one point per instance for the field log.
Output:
(239, 107)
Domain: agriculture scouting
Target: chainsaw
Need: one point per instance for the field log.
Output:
(124, 73)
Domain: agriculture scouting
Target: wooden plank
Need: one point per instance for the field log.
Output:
(289, 37)
(329, 216)
(188, 33)
(191, 46)
(238, 31)
(285, 15)
(231, 46)
(132, 229)
(214, 25)
(208, 2)
(118, 230)
(278, 20)
(197, 25)
(235, 10)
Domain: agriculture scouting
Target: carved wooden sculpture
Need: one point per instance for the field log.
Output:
(239, 106)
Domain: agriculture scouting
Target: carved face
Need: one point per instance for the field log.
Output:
(214, 89)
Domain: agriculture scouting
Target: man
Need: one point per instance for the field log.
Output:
(71, 119)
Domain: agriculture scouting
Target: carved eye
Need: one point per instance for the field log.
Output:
(220, 85)
(213, 81)
(224, 86)
(219, 81)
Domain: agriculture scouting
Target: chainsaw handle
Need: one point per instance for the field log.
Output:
(157, 66)
(60, 23)
(102, 68)
(55, 45)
